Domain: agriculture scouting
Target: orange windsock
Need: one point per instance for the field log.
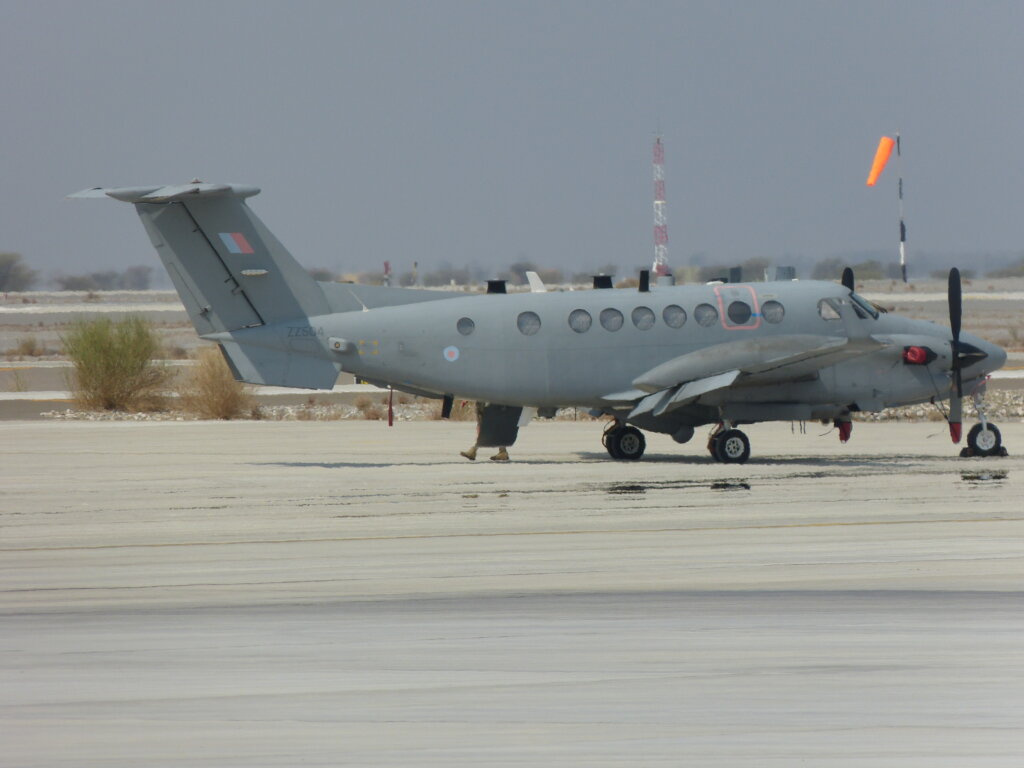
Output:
(881, 158)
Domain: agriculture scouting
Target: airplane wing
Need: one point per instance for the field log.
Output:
(745, 362)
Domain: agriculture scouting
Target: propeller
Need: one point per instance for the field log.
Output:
(955, 314)
(847, 279)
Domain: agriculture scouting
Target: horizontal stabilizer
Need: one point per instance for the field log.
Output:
(168, 193)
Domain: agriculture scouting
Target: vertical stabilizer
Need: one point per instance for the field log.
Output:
(229, 269)
(236, 280)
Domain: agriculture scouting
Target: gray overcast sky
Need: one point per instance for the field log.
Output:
(487, 132)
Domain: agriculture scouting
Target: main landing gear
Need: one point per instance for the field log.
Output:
(624, 443)
(728, 445)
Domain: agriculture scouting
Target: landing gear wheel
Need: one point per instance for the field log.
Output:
(625, 443)
(731, 447)
(985, 441)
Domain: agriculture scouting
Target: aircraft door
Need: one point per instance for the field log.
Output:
(738, 307)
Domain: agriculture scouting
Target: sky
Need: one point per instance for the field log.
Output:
(492, 132)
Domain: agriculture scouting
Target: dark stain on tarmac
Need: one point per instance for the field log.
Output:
(985, 477)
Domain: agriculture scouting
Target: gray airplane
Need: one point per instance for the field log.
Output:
(659, 358)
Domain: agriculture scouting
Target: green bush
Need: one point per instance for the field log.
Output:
(114, 365)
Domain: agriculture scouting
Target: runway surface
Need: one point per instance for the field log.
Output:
(341, 593)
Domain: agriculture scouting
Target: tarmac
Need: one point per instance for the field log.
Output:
(344, 593)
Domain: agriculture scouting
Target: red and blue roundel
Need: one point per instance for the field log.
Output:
(235, 242)
(451, 354)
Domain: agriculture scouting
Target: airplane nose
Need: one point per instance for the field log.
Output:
(974, 351)
(996, 357)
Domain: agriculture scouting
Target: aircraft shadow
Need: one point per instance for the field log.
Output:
(678, 459)
(767, 461)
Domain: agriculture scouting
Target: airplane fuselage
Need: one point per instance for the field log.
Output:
(575, 348)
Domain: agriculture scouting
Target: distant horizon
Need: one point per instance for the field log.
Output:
(919, 269)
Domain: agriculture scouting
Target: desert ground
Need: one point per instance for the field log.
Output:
(344, 593)
(250, 593)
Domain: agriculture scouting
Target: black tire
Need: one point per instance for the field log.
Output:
(984, 442)
(732, 447)
(625, 443)
(610, 443)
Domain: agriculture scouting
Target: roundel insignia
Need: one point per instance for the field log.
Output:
(451, 354)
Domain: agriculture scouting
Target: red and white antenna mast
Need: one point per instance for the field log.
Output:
(660, 267)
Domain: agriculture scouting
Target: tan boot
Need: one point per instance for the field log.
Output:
(501, 455)
(470, 454)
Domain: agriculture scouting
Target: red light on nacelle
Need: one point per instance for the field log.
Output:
(916, 355)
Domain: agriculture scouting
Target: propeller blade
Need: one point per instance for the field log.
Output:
(847, 279)
(955, 417)
(955, 302)
(955, 316)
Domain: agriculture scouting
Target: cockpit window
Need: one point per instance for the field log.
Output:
(860, 303)
(828, 309)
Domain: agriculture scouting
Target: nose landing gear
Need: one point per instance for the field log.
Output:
(984, 439)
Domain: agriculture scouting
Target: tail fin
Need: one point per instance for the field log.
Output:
(229, 269)
(233, 276)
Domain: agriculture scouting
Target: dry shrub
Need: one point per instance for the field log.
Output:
(211, 392)
(370, 410)
(114, 365)
(28, 346)
(462, 410)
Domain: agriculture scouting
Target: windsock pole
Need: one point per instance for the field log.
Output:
(903, 226)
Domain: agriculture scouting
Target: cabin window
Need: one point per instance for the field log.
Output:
(773, 312)
(580, 320)
(739, 312)
(705, 315)
(528, 323)
(465, 326)
(674, 316)
(643, 318)
(611, 319)
(828, 310)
